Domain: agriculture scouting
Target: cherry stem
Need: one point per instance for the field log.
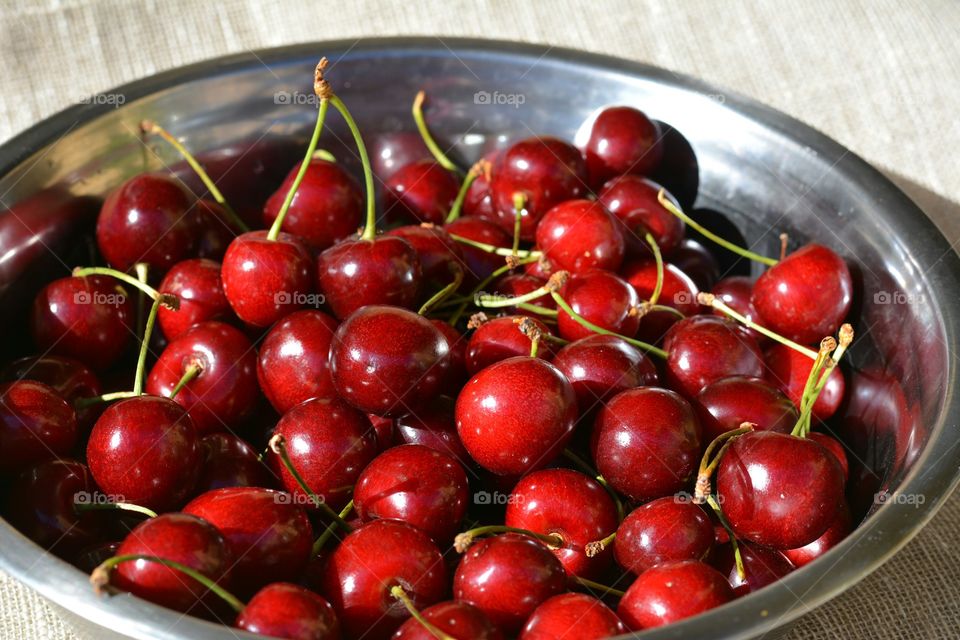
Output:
(370, 228)
(532, 331)
(784, 239)
(144, 348)
(737, 558)
(726, 244)
(428, 140)
(323, 154)
(585, 467)
(710, 300)
(439, 296)
(811, 393)
(83, 403)
(491, 301)
(543, 311)
(596, 548)
(81, 507)
(100, 577)
(330, 530)
(519, 202)
(397, 592)
(278, 446)
(463, 540)
(500, 251)
(142, 270)
(192, 372)
(709, 461)
(150, 127)
(471, 177)
(509, 266)
(596, 586)
(645, 308)
(166, 299)
(658, 257)
(649, 348)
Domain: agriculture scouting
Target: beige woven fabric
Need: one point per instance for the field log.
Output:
(883, 78)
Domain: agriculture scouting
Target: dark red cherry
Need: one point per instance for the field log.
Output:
(89, 558)
(456, 355)
(391, 150)
(145, 450)
(779, 490)
(545, 171)
(213, 230)
(71, 379)
(602, 298)
(806, 295)
(372, 560)
(438, 252)
(479, 199)
(501, 338)
(519, 284)
(622, 140)
(540, 269)
(36, 424)
(284, 610)
(146, 219)
(788, 369)
(839, 529)
(646, 442)
(507, 577)
(633, 202)
(327, 207)
(480, 264)
(329, 444)
(572, 615)
(355, 272)
(387, 360)
(268, 535)
(458, 619)
(90, 319)
(678, 292)
(516, 415)
(422, 191)
(725, 404)
(671, 592)
(577, 235)
(835, 447)
(197, 284)
(570, 505)
(599, 367)
(735, 292)
(434, 426)
(265, 280)
(696, 261)
(668, 529)
(383, 428)
(228, 461)
(293, 364)
(761, 566)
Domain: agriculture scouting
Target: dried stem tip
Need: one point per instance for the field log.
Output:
(529, 328)
(477, 320)
(557, 281)
(100, 580)
(320, 85)
(846, 335)
(462, 542)
(276, 442)
(594, 548)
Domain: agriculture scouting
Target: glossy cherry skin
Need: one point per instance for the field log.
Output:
(70, 378)
(806, 295)
(182, 538)
(835, 447)
(479, 263)
(646, 442)
(696, 261)
(146, 219)
(197, 285)
(265, 280)
(668, 529)
(516, 415)
(225, 391)
(268, 535)
(285, 610)
(633, 202)
(678, 292)
(354, 273)
(788, 369)
(434, 426)
(572, 615)
(602, 298)
(671, 592)
(327, 207)
(546, 171)
(622, 140)
(577, 235)
(458, 619)
(599, 367)
(570, 505)
(370, 561)
(439, 253)
(456, 356)
(293, 364)
(36, 424)
(839, 529)
(779, 490)
(329, 443)
(501, 338)
(90, 319)
(735, 292)
(761, 566)
(417, 485)
(145, 450)
(507, 577)
(519, 284)
(727, 403)
(422, 191)
(387, 360)
(704, 349)
(228, 461)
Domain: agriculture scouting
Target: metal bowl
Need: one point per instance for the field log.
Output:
(737, 159)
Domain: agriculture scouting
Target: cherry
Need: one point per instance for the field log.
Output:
(779, 490)
(601, 298)
(329, 444)
(735, 291)
(293, 364)
(387, 360)
(835, 447)
(422, 191)
(438, 252)
(622, 140)
(788, 369)
(543, 171)
(501, 338)
(90, 319)
(395, 149)
(704, 349)
(507, 427)
(434, 426)
(761, 566)
(633, 202)
(568, 504)
(664, 530)
(36, 424)
(507, 577)
(70, 378)
(197, 285)
(417, 485)
(577, 235)
(678, 292)
(725, 404)
(540, 269)
(480, 263)
(284, 610)
(839, 529)
(145, 450)
(89, 558)
(383, 428)
(457, 619)
(806, 295)
(146, 219)
(267, 535)
(572, 615)
(370, 561)
(646, 442)
(600, 366)
(479, 199)
(519, 284)
(228, 461)
(214, 230)
(671, 592)
(456, 355)
(696, 261)
(327, 205)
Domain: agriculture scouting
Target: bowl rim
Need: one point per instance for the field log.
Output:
(890, 527)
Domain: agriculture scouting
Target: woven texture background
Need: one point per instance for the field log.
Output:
(883, 78)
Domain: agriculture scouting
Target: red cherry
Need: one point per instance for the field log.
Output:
(284, 610)
(761, 566)
(501, 338)
(806, 295)
(456, 355)
(622, 140)
(197, 285)
(383, 428)
(519, 284)
(671, 592)
(696, 261)
(735, 292)
(788, 369)
(480, 264)
(479, 199)
(572, 615)
(213, 230)
(725, 404)
(36, 424)
(516, 415)
(602, 298)
(577, 235)
(458, 619)
(661, 531)
(835, 447)
(600, 366)
(391, 150)
(70, 378)
(633, 202)
(678, 292)
(228, 461)
(422, 191)
(839, 529)
(434, 426)
(438, 252)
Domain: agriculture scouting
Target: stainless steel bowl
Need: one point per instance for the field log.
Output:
(761, 169)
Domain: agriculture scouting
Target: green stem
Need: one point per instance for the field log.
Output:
(397, 592)
(498, 302)
(144, 348)
(519, 202)
(710, 300)
(81, 507)
(709, 462)
(457, 206)
(83, 403)
(737, 558)
(465, 539)
(596, 586)
(543, 311)
(485, 282)
(329, 531)
(595, 548)
(142, 270)
(655, 296)
(489, 248)
(168, 300)
(279, 447)
(439, 296)
(370, 228)
(649, 348)
(192, 372)
(428, 140)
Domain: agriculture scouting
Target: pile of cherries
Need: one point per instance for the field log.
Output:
(531, 408)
